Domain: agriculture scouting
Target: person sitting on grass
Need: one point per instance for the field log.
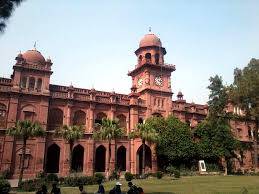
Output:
(55, 189)
(81, 189)
(132, 188)
(43, 190)
(116, 189)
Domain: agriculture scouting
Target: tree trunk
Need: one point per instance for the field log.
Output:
(22, 160)
(70, 156)
(109, 159)
(143, 157)
(225, 166)
(115, 152)
(255, 145)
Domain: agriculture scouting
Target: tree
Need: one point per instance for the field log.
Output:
(71, 134)
(175, 146)
(218, 135)
(6, 9)
(147, 133)
(25, 130)
(109, 130)
(216, 141)
(244, 93)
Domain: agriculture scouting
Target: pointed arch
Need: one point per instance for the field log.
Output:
(100, 159)
(79, 118)
(148, 159)
(121, 158)
(122, 121)
(55, 118)
(78, 158)
(3, 115)
(52, 160)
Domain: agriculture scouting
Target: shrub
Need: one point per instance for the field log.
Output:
(177, 174)
(99, 177)
(159, 175)
(41, 175)
(77, 181)
(31, 185)
(128, 176)
(4, 186)
(6, 174)
(114, 175)
(170, 170)
(52, 177)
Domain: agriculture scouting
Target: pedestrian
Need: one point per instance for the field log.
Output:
(140, 190)
(55, 189)
(116, 189)
(43, 190)
(81, 189)
(132, 188)
(101, 189)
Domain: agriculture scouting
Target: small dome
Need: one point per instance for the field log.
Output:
(150, 40)
(34, 56)
(180, 94)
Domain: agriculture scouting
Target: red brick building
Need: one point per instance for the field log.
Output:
(28, 94)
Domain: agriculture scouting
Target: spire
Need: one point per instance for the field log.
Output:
(149, 29)
(34, 46)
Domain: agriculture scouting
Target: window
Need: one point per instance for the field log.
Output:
(2, 115)
(23, 82)
(157, 58)
(28, 115)
(31, 83)
(140, 120)
(148, 56)
(140, 58)
(39, 83)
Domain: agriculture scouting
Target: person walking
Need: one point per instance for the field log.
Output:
(55, 189)
(101, 189)
(81, 189)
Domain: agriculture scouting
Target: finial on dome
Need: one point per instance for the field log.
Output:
(149, 29)
(34, 46)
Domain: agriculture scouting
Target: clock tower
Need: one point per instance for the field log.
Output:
(151, 77)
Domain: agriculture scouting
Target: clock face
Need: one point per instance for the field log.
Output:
(158, 81)
(140, 82)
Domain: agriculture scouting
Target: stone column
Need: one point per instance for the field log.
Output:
(91, 118)
(27, 83)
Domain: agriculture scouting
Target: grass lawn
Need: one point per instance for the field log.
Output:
(184, 185)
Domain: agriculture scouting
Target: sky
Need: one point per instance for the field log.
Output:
(92, 43)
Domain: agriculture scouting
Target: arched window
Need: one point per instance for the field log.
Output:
(157, 115)
(39, 84)
(79, 118)
(122, 121)
(28, 112)
(140, 120)
(55, 118)
(250, 133)
(157, 58)
(23, 82)
(145, 165)
(3, 116)
(99, 117)
(31, 83)
(140, 58)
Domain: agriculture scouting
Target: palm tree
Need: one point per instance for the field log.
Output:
(147, 134)
(25, 130)
(109, 130)
(70, 134)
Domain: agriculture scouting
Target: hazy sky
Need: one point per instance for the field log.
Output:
(92, 43)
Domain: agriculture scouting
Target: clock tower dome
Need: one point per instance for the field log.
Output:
(152, 76)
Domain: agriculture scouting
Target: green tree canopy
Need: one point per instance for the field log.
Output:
(175, 146)
(6, 9)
